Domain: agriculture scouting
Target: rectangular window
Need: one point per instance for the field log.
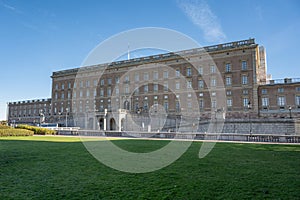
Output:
(214, 104)
(126, 79)
(189, 72)
(136, 77)
(280, 90)
(62, 95)
(166, 74)
(69, 95)
(137, 91)
(109, 81)
(87, 93)
(80, 93)
(95, 92)
(244, 65)
(117, 90)
(81, 84)
(228, 92)
(155, 75)
(146, 76)
(166, 106)
(200, 70)
(298, 89)
(95, 82)
(229, 102)
(56, 86)
(145, 105)
(117, 80)
(244, 80)
(177, 73)
(63, 86)
(189, 104)
(212, 69)
(265, 102)
(201, 103)
(145, 88)
(177, 106)
(228, 81)
(281, 101)
(213, 82)
(189, 84)
(69, 85)
(177, 86)
(245, 102)
(75, 84)
(298, 100)
(126, 89)
(102, 82)
(200, 84)
(109, 92)
(166, 87)
(87, 83)
(228, 67)
(264, 91)
(245, 92)
(155, 87)
(101, 92)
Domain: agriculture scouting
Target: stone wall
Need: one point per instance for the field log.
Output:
(255, 126)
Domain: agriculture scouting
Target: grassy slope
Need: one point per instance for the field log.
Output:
(34, 168)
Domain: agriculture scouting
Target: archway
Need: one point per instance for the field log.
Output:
(101, 124)
(126, 105)
(112, 124)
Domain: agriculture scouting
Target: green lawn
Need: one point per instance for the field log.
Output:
(61, 168)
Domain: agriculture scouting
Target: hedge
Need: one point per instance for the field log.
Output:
(5, 127)
(15, 132)
(37, 130)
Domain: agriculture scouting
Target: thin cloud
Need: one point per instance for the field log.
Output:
(202, 16)
(11, 8)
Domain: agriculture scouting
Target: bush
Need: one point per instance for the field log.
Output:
(5, 127)
(15, 132)
(37, 130)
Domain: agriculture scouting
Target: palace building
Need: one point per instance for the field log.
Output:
(199, 84)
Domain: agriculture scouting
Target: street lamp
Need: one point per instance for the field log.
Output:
(249, 108)
(290, 109)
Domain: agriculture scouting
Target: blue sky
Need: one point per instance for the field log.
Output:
(39, 37)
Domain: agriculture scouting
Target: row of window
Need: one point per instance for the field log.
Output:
(213, 83)
(279, 90)
(281, 101)
(29, 112)
(87, 83)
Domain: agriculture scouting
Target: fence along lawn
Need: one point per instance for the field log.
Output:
(61, 168)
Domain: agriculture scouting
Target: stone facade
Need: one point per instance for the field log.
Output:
(169, 88)
(29, 112)
(280, 99)
(221, 77)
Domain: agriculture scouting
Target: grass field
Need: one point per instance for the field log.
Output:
(61, 168)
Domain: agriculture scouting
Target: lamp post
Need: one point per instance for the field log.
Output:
(249, 108)
(290, 110)
(67, 109)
